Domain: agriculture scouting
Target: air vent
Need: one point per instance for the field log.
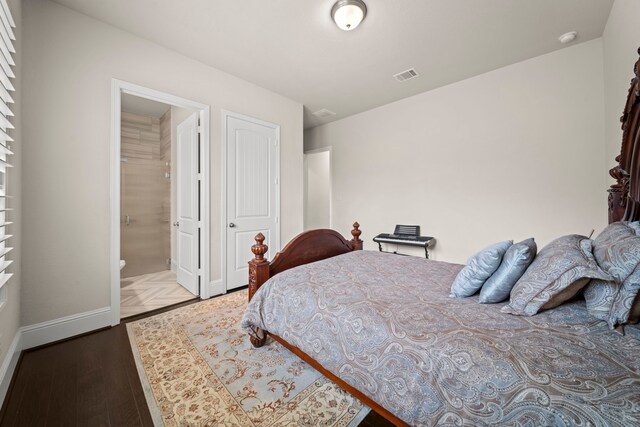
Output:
(406, 75)
(324, 113)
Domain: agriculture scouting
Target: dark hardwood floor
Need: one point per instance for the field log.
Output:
(86, 381)
(90, 380)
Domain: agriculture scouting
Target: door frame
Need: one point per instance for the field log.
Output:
(304, 162)
(274, 248)
(119, 87)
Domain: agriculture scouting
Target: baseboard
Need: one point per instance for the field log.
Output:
(65, 327)
(216, 288)
(9, 365)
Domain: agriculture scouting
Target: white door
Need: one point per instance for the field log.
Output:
(187, 249)
(252, 192)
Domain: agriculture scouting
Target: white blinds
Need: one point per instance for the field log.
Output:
(6, 87)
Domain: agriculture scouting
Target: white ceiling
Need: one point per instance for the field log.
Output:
(292, 47)
(145, 107)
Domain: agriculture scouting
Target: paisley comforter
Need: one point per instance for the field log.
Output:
(385, 325)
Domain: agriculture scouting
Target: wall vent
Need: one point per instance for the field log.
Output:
(406, 75)
(324, 113)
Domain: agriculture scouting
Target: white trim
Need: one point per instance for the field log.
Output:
(320, 150)
(119, 87)
(223, 204)
(114, 196)
(9, 365)
(223, 181)
(65, 327)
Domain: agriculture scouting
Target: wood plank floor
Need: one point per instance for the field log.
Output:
(88, 381)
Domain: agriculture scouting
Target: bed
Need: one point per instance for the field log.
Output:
(383, 327)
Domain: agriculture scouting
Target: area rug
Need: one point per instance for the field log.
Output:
(198, 368)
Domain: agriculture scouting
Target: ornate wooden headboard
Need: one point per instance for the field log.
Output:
(624, 195)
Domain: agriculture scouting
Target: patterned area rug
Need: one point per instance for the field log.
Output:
(198, 368)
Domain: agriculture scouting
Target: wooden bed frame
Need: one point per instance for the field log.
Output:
(624, 195)
(306, 247)
(315, 245)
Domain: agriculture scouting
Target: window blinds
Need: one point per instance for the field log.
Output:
(7, 37)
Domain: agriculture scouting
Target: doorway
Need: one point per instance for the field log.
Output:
(317, 189)
(157, 268)
(159, 177)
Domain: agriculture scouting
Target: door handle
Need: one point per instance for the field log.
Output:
(176, 224)
(231, 225)
(127, 220)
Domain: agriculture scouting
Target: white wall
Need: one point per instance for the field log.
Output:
(69, 61)
(510, 154)
(317, 191)
(10, 312)
(621, 41)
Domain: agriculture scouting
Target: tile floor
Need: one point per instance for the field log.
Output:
(151, 291)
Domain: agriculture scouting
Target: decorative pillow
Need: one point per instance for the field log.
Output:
(479, 268)
(623, 303)
(635, 226)
(599, 295)
(560, 271)
(634, 315)
(617, 252)
(514, 263)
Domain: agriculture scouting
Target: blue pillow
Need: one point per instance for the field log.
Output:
(514, 263)
(478, 269)
(617, 252)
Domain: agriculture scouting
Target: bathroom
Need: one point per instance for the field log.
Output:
(147, 206)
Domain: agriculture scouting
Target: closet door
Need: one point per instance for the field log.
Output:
(252, 192)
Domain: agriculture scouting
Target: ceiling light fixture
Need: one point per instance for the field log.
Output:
(348, 14)
(568, 37)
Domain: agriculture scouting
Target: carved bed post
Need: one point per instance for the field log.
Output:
(258, 266)
(258, 274)
(356, 243)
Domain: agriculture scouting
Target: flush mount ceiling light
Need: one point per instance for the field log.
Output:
(568, 37)
(348, 14)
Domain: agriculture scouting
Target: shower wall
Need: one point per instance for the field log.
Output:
(145, 194)
(165, 156)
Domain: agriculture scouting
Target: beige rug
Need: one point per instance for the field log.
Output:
(198, 368)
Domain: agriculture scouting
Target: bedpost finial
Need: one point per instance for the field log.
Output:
(259, 249)
(356, 243)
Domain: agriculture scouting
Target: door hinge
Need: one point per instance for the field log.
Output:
(275, 143)
(199, 176)
(199, 129)
(277, 219)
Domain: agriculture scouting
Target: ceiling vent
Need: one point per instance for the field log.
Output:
(324, 113)
(406, 75)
